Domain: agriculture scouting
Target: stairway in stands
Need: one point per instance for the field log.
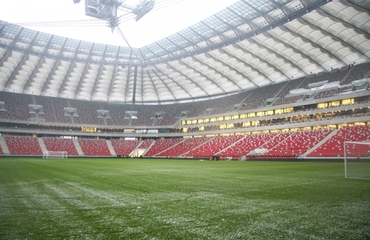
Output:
(330, 135)
(3, 146)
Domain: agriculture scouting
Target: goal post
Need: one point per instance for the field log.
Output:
(357, 160)
(55, 154)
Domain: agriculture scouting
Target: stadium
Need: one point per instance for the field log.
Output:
(235, 127)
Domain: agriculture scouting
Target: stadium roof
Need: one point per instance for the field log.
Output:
(63, 18)
(248, 44)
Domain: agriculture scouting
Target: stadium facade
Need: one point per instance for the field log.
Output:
(261, 79)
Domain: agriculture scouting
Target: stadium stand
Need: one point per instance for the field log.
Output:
(87, 113)
(356, 72)
(292, 145)
(262, 97)
(184, 146)
(333, 147)
(19, 145)
(358, 150)
(54, 109)
(246, 145)
(161, 145)
(145, 144)
(60, 144)
(296, 144)
(124, 147)
(213, 146)
(94, 147)
(16, 106)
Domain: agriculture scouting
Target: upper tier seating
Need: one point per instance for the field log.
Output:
(54, 109)
(17, 109)
(87, 113)
(327, 93)
(258, 97)
(357, 72)
(282, 94)
(117, 114)
(338, 75)
(288, 99)
(16, 106)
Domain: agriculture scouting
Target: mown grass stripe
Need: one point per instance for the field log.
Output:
(164, 199)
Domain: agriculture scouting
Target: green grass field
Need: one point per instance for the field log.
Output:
(180, 199)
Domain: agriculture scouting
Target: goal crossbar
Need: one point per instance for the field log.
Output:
(55, 154)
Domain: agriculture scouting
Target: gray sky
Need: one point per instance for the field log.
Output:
(69, 20)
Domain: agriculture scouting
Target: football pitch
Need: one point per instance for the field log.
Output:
(180, 199)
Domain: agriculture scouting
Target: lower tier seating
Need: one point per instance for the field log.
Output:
(334, 147)
(124, 147)
(23, 145)
(61, 144)
(314, 143)
(94, 147)
(297, 143)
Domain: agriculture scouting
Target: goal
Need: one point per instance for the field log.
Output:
(55, 154)
(357, 160)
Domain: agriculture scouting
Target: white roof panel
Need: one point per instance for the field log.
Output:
(211, 57)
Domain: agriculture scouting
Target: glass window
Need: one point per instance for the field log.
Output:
(10, 31)
(42, 39)
(57, 42)
(71, 45)
(98, 49)
(27, 35)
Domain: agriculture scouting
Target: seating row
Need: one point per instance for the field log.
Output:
(316, 143)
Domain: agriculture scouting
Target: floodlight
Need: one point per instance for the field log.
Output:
(143, 8)
(108, 10)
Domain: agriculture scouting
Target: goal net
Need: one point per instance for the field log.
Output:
(55, 154)
(357, 160)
